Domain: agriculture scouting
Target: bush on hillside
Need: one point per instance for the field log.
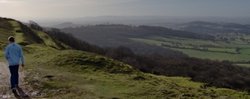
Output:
(87, 61)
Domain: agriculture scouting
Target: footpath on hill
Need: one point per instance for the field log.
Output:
(5, 92)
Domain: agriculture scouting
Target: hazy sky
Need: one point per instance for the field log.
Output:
(41, 9)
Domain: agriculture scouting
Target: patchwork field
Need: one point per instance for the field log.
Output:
(237, 50)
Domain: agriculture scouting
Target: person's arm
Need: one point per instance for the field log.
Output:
(6, 53)
(21, 56)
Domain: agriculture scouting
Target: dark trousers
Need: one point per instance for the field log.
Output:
(14, 76)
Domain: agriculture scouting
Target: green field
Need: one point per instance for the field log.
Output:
(215, 55)
(244, 65)
(236, 50)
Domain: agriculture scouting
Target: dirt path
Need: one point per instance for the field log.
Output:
(5, 92)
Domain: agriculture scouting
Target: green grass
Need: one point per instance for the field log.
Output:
(230, 50)
(244, 65)
(185, 41)
(216, 55)
(245, 51)
(1, 55)
(19, 36)
(4, 34)
(148, 41)
(93, 76)
(47, 39)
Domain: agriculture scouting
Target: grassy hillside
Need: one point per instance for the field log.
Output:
(55, 71)
(5, 31)
(76, 74)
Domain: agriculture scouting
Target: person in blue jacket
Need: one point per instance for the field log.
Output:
(14, 56)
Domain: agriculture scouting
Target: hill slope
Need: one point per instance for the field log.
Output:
(56, 71)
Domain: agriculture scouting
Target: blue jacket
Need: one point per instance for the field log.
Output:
(14, 54)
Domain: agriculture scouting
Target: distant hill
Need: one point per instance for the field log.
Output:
(164, 21)
(65, 25)
(214, 28)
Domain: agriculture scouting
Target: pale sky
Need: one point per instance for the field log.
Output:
(42, 9)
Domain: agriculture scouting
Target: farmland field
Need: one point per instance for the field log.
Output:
(244, 65)
(236, 50)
